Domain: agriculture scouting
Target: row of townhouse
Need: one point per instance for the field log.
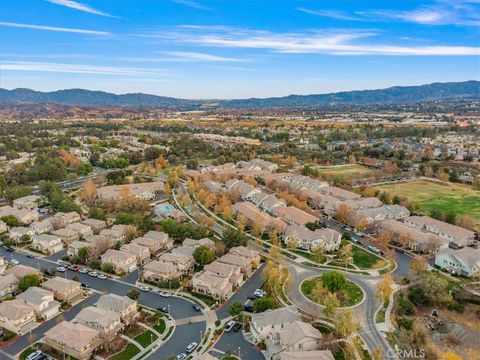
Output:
(20, 314)
(93, 326)
(143, 191)
(287, 337)
(221, 277)
(137, 252)
(23, 215)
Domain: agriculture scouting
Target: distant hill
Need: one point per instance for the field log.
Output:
(394, 95)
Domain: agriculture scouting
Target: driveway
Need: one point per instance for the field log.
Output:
(235, 343)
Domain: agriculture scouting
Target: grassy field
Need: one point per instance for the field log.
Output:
(428, 195)
(350, 170)
(353, 294)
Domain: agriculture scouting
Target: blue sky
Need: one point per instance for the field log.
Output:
(236, 48)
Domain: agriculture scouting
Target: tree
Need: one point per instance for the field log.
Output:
(436, 289)
(83, 254)
(368, 192)
(418, 265)
(235, 308)
(334, 281)
(29, 280)
(331, 304)
(384, 288)
(345, 324)
(232, 238)
(108, 268)
(343, 213)
(263, 304)
(275, 275)
(133, 294)
(89, 192)
(257, 226)
(97, 213)
(203, 255)
(318, 254)
(292, 242)
(346, 253)
(319, 292)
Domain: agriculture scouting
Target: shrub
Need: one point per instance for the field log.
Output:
(334, 281)
(405, 307)
(108, 268)
(405, 323)
(456, 306)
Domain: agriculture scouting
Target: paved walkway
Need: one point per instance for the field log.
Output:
(190, 320)
(130, 340)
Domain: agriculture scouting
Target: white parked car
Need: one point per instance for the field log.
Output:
(14, 262)
(101, 276)
(83, 271)
(191, 347)
(61, 269)
(144, 288)
(229, 326)
(181, 356)
(259, 293)
(93, 273)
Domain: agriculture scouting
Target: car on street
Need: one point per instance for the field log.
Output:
(164, 294)
(248, 305)
(163, 309)
(86, 286)
(31, 256)
(84, 271)
(61, 269)
(259, 293)
(191, 347)
(8, 248)
(229, 326)
(93, 273)
(236, 327)
(14, 262)
(144, 288)
(102, 277)
(73, 267)
(196, 307)
(181, 356)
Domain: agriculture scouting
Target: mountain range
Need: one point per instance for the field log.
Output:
(397, 95)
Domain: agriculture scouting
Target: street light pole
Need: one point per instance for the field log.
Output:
(201, 336)
(239, 352)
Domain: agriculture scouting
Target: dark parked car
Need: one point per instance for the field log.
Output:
(196, 307)
(86, 286)
(236, 327)
(248, 306)
(163, 309)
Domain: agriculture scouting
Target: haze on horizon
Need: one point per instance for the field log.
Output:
(236, 49)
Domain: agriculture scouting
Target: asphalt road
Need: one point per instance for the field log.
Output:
(235, 343)
(179, 308)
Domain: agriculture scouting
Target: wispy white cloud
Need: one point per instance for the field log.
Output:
(315, 42)
(339, 15)
(442, 12)
(55, 28)
(79, 6)
(192, 4)
(197, 56)
(75, 68)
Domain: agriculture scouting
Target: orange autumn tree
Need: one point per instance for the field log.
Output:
(89, 192)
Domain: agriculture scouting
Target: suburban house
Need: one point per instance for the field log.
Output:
(212, 186)
(64, 289)
(82, 230)
(464, 261)
(24, 216)
(142, 253)
(254, 215)
(413, 238)
(27, 202)
(307, 239)
(258, 164)
(197, 243)
(160, 271)
(294, 216)
(209, 283)
(101, 242)
(47, 244)
(454, 234)
(339, 193)
(294, 336)
(115, 235)
(17, 317)
(252, 256)
(183, 263)
(306, 355)
(95, 224)
(41, 227)
(122, 305)
(123, 262)
(67, 218)
(161, 238)
(183, 250)
(22, 270)
(73, 248)
(383, 212)
(66, 235)
(271, 320)
(107, 322)
(17, 233)
(41, 301)
(75, 339)
(8, 285)
(242, 263)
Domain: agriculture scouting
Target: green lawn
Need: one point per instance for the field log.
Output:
(27, 352)
(350, 170)
(365, 259)
(428, 195)
(129, 352)
(146, 338)
(160, 326)
(352, 293)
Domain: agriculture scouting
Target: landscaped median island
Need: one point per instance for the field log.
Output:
(330, 286)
